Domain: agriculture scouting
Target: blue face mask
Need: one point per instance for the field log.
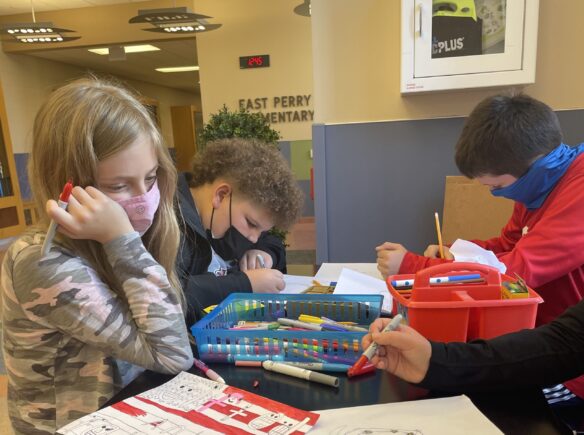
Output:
(536, 184)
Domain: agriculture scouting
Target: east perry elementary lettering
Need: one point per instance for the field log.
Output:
(277, 104)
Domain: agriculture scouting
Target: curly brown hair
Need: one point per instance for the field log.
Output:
(257, 171)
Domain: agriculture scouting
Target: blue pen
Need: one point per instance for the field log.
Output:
(401, 283)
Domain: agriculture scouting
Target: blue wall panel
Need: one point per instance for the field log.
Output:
(383, 181)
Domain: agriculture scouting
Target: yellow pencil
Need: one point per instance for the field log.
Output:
(440, 246)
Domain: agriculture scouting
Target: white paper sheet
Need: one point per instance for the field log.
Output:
(469, 252)
(189, 404)
(352, 282)
(332, 271)
(297, 284)
(448, 416)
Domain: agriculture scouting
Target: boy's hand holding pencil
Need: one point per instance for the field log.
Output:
(433, 251)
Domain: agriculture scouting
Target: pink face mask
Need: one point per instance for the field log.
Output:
(142, 208)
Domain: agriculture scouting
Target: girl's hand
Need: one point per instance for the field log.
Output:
(266, 280)
(90, 215)
(403, 352)
(249, 261)
(389, 258)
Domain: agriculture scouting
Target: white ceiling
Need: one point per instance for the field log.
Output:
(137, 66)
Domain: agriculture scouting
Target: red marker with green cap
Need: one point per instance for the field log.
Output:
(63, 203)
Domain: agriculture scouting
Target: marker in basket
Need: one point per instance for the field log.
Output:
(63, 203)
(440, 246)
(370, 351)
(473, 277)
(310, 326)
(343, 325)
(297, 372)
(211, 374)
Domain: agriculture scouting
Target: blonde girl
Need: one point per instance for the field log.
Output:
(104, 303)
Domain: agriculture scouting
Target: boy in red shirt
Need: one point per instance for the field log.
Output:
(513, 144)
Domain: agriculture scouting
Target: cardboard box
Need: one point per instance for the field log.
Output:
(471, 212)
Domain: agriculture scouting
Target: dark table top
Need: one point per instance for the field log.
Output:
(517, 412)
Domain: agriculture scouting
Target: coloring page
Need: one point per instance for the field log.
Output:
(189, 404)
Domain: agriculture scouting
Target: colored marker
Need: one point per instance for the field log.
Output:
(367, 368)
(248, 363)
(261, 261)
(401, 283)
(326, 367)
(231, 358)
(63, 203)
(299, 324)
(301, 373)
(343, 325)
(238, 349)
(211, 374)
(370, 351)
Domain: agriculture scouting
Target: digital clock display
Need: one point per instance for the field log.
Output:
(257, 61)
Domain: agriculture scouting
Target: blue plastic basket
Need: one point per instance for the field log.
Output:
(217, 343)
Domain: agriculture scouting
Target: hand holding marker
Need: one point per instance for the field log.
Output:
(63, 203)
(370, 351)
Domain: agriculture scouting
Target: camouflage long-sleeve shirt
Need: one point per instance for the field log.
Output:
(70, 343)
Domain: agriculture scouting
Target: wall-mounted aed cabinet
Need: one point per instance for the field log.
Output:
(464, 44)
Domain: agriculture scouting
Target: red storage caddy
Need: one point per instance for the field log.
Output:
(461, 311)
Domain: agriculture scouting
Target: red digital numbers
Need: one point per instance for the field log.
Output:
(255, 61)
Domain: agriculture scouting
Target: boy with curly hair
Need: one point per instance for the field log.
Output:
(238, 190)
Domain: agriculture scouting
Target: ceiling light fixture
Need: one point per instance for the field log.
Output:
(178, 69)
(35, 33)
(104, 51)
(173, 20)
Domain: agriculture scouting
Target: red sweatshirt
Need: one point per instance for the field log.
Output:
(550, 253)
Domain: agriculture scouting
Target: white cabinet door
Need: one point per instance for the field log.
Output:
(457, 44)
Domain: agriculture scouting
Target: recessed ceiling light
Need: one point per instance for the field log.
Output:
(178, 69)
(127, 49)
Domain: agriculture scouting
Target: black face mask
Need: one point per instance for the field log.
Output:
(233, 244)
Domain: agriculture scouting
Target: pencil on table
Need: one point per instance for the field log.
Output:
(440, 246)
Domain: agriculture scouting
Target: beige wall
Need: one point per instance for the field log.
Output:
(358, 79)
(27, 81)
(256, 27)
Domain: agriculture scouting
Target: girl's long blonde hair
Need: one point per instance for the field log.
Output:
(80, 124)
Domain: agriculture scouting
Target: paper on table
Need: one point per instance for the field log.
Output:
(332, 271)
(469, 252)
(189, 404)
(297, 284)
(451, 415)
(352, 282)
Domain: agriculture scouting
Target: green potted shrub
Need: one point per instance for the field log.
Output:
(226, 124)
